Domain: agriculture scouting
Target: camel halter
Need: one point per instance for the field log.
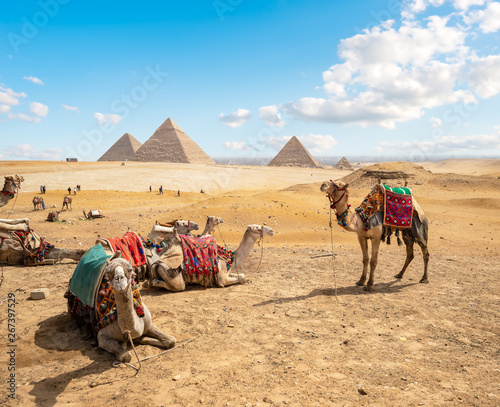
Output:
(17, 185)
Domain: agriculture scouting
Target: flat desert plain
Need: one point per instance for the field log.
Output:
(299, 332)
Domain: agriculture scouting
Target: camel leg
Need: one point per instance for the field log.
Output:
(168, 282)
(113, 346)
(409, 258)
(363, 242)
(224, 279)
(425, 254)
(373, 263)
(155, 337)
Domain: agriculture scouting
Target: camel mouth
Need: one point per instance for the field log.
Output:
(324, 187)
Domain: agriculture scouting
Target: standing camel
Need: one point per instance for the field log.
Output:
(338, 194)
(10, 188)
(67, 203)
(170, 272)
(37, 203)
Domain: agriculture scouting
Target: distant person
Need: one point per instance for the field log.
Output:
(150, 188)
(161, 189)
(44, 189)
(69, 190)
(74, 190)
(41, 189)
(178, 192)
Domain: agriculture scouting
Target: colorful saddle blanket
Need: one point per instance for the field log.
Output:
(396, 202)
(106, 304)
(130, 245)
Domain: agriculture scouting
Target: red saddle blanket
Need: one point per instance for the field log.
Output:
(199, 254)
(130, 245)
(398, 209)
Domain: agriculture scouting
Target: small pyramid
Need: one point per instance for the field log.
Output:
(170, 144)
(343, 164)
(123, 149)
(294, 154)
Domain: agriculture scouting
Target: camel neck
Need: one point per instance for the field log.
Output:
(244, 248)
(125, 308)
(347, 220)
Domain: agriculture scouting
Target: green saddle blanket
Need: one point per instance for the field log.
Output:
(88, 274)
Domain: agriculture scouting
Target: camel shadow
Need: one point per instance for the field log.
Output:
(380, 288)
(57, 333)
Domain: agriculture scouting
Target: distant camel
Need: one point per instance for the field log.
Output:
(338, 194)
(67, 203)
(37, 203)
(10, 188)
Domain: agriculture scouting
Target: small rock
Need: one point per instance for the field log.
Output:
(39, 294)
(176, 378)
(361, 390)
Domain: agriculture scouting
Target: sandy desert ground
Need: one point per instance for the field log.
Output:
(300, 332)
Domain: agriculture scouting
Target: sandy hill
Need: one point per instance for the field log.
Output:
(170, 144)
(124, 149)
(294, 154)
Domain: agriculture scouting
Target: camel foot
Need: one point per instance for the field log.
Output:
(147, 285)
(125, 357)
(424, 280)
(368, 288)
(361, 283)
(399, 275)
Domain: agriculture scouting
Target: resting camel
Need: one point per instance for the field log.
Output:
(170, 273)
(93, 214)
(67, 203)
(212, 222)
(10, 188)
(26, 247)
(37, 203)
(418, 233)
(142, 329)
(53, 216)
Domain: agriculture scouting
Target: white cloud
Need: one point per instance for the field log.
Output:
(435, 122)
(9, 97)
(393, 74)
(4, 108)
(271, 116)
(237, 145)
(71, 108)
(465, 4)
(318, 143)
(24, 117)
(26, 151)
(488, 18)
(39, 109)
(235, 119)
(103, 119)
(34, 80)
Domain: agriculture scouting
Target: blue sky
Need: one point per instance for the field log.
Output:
(415, 80)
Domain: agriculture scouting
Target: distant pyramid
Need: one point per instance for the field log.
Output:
(294, 154)
(124, 149)
(343, 164)
(170, 144)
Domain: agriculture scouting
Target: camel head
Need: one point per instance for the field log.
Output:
(214, 220)
(13, 181)
(119, 272)
(260, 230)
(330, 187)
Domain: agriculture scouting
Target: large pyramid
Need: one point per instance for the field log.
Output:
(124, 149)
(170, 144)
(294, 154)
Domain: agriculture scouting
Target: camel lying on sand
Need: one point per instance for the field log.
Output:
(10, 188)
(170, 272)
(212, 222)
(53, 216)
(93, 214)
(352, 222)
(21, 245)
(129, 321)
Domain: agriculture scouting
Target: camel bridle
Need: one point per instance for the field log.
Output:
(333, 202)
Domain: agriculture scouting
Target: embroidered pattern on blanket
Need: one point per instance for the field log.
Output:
(371, 204)
(29, 241)
(106, 304)
(200, 255)
(130, 245)
(226, 255)
(398, 210)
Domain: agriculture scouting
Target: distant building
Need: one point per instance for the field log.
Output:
(71, 160)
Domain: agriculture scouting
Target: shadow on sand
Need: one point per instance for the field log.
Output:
(380, 288)
(57, 333)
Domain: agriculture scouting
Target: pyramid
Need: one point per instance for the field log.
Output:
(122, 150)
(294, 154)
(170, 144)
(343, 164)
